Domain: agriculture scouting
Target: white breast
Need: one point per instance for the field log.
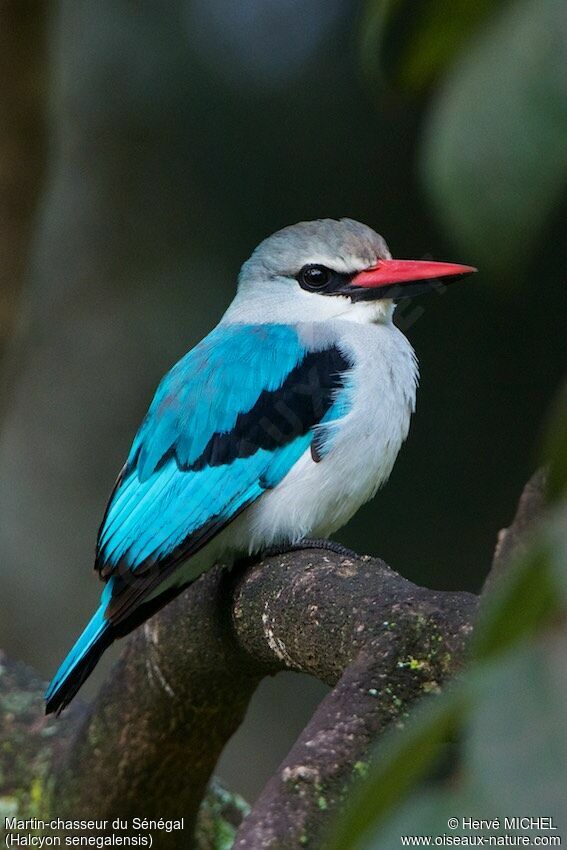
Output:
(315, 499)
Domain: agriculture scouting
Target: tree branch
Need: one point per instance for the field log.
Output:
(379, 639)
(512, 540)
(148, 744)
(34, 750)
(161, 720)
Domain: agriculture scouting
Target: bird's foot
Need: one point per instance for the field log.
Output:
(310, 543)
(305, 543)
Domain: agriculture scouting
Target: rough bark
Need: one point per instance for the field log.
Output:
(149, 742)
(33, 751)
(380, 640)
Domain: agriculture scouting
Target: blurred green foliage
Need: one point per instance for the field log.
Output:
(493, 157)
(408, 44)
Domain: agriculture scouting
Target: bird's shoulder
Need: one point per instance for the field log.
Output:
(207, 389)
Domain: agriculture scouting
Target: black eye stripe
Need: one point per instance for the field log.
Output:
(320, 279)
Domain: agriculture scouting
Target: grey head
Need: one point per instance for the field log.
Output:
(274, 283)
(345, 245)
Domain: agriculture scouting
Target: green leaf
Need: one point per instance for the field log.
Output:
(516, 747)
(409, 43)
(428, 814)
(494, 158)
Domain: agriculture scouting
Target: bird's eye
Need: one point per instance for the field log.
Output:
(314, 278)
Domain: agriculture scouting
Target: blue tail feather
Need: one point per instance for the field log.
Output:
(84, 655)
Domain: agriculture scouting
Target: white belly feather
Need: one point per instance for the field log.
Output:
(315, 499)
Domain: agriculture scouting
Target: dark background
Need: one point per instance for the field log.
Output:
(147, 148)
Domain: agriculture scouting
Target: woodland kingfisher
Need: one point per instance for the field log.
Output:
(275, 428)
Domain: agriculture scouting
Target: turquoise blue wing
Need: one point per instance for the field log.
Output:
(227, 422)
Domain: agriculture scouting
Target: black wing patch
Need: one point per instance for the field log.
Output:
(278, 416)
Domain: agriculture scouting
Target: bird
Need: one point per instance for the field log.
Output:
(271, 432)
